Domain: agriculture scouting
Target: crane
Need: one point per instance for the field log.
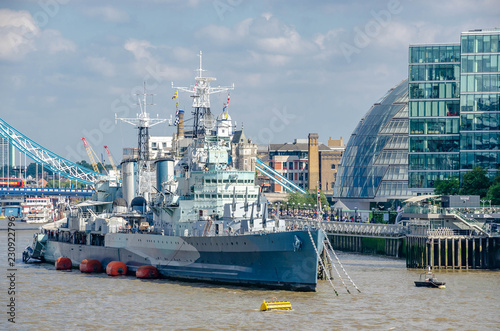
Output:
(91, 155)
(111, 159)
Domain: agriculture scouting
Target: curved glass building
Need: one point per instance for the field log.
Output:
(375, 163)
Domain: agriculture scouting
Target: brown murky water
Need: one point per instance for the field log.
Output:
(47, 299)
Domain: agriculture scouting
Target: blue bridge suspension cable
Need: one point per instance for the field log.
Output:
(46, 158)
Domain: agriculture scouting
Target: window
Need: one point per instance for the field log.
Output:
(333, 167)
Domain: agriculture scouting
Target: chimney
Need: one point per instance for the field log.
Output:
(180, 125)
(313, 150)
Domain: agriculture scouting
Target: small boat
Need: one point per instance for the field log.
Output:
(428, 279)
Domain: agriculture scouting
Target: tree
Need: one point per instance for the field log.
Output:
(494, 194)
(449, 186)
(475, 182)
(308, 198)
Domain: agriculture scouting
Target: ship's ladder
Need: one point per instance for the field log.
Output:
(321, 261)
(330, 247)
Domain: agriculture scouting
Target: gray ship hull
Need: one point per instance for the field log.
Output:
(286, 260)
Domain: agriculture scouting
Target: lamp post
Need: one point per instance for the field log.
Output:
(293, 208)
(355, 214)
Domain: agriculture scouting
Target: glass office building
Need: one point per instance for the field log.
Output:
(434, 114)
(480, 100)
(443, 121)
(375, 161)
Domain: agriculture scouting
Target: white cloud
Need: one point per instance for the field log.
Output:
(101, 66)
(331, 36)
(53, 42)
(17, 33)
(147, 63)
(139, 48)
(266, 34)
(20, 35)
(108, 13)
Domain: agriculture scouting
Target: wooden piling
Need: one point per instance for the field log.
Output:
(466, 253)
(439, 253)
(453, 252)
(446, 253)
(459, 256)
(473, 253)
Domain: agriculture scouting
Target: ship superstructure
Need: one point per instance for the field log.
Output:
(200, 218)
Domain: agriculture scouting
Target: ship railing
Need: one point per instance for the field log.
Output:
(364, 229)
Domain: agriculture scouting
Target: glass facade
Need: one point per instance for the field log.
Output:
(479, 100)
(441, 123)
(375, 162)
(434, 119)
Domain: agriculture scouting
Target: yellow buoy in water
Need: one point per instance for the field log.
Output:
(275, 305)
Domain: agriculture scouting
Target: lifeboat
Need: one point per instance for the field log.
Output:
(147, 271)
(90, 265)
(116, 268)
(63, 263)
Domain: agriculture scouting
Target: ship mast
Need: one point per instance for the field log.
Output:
(143, 122)
(200, 93)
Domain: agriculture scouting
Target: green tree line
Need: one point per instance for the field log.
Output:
(310, 198)
(475, 182)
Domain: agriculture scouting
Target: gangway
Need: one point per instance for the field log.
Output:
(277, 177)
(471, 223)
(46, 158)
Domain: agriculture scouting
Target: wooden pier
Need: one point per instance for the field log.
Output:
(441, 248)
(452, 252)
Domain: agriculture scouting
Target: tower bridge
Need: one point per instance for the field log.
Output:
(48, 160)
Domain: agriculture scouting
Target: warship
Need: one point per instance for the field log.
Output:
(192, 214)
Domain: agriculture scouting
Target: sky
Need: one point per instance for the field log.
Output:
(298, 67)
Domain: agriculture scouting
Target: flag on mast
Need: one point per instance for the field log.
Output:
(227, 106)
(176, 122)
(176, 94)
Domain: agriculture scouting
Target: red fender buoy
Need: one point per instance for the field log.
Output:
(147, 271)
(63, 263)
(116, 268)
(90, 265)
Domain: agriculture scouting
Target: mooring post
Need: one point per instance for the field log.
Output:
(439, 252)
(481, 258)
(459, 254)
(487, 253)
(474, 253)
(426, 247)
(453, 257)
(432, 252)
(446, 253)
(466, 253)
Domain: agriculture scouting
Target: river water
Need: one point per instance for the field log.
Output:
(47, 299)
